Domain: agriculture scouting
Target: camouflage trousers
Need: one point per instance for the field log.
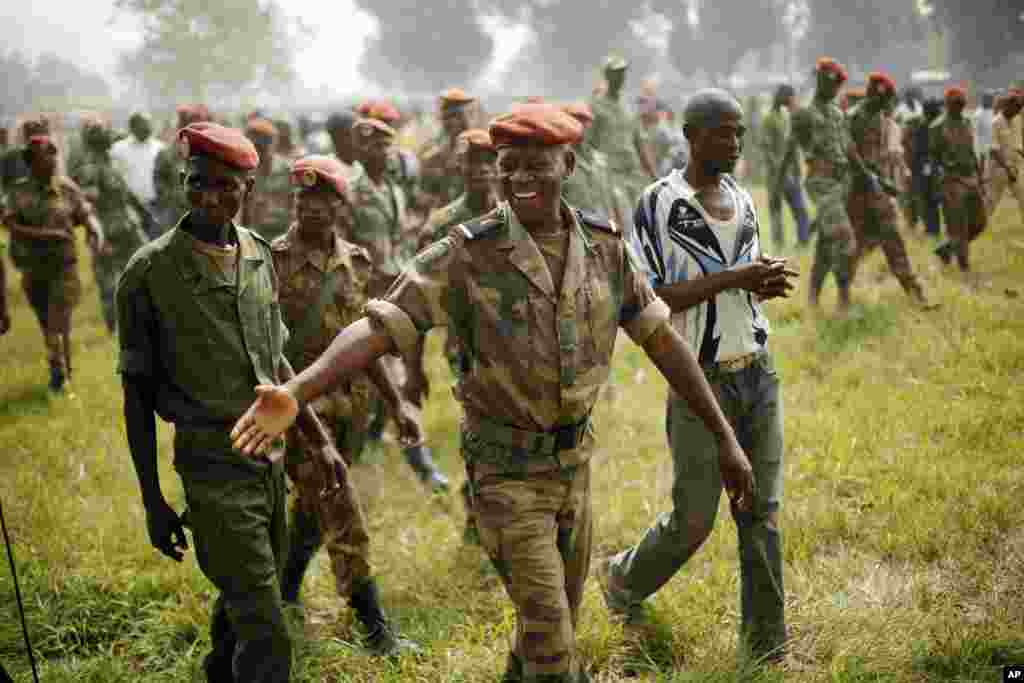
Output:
(834, 249)
(236, 510)
(53, 296)
(751, 401)
(339, 522)
(999, 183)
(966, 216)
(107, 269)
(874, 217)
(536, 528)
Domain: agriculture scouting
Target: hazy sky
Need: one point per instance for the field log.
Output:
(80, 30)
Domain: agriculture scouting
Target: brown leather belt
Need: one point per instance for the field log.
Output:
(735, 364)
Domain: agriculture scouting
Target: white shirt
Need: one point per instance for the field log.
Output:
(983, 131)
(135, 161)
(676, 240)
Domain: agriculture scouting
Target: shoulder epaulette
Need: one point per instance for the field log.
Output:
(593, 220)
(478, 227)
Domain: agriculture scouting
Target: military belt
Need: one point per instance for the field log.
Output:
(541, 444)
(735, 364)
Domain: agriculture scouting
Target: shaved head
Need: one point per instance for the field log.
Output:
(707, 108)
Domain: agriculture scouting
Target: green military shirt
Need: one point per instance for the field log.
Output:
(614, 134)
(378, 217)
(268, 211)
(42, 218)
(821, 131)
(200, 337)
(951, 146)
(535, 354)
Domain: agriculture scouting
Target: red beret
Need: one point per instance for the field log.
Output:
(829, 65)
(309, 170)
(475, 138)
(381, 110)
(365, 127)
(227, 145)
(455, 97)
(882, 79)
(261, 127)
(1016, 94)
(42, 141)
(955, 92)
(580, 111)
(542, 124)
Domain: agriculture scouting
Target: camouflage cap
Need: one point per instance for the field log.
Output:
(615, 63)
(212, 140)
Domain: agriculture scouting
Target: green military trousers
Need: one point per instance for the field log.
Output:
(236, 509)
(833, 252)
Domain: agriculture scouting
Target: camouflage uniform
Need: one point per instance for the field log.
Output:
(535, 360)
(41, 219)
(951, 147)
(773, 138)
(171, 203)
(302, 270)
(268, 210)
(615, 135)
(821, 132)
(122, 225)
(1009, 138)
(440, 174)
(378, 218)
(873, 214)
(202, 334)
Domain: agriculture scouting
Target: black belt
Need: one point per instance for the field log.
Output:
(546, 443)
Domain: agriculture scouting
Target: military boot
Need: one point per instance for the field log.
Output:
(57, 379)
(945, 253)
(381, 640)
(422, 464)
(303, 542)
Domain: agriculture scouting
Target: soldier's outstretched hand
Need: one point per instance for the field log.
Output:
(274, 411)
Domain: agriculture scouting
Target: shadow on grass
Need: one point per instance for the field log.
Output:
(864, 322)
(23, 401)
(970, 659)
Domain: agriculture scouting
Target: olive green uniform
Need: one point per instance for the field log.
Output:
(268, 211)
(202, 329)
(122, 224)
(951, 147)
(536, 320)
(42, 218)
(615, 134)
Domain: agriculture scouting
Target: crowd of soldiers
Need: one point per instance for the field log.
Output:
(234, 258)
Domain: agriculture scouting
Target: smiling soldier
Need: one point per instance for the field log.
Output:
(534, 292)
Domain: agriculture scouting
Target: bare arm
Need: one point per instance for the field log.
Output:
(307, 420)
(767, 278)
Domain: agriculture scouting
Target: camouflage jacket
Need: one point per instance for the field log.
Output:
(301, 269)
(268, 211)
(41, 219)
(202, 341)
(951, 146)
(534, 358)
(775, 131)
(614, 134)
(378, 218)
(111, 197)
(440, 175)
(820, 130)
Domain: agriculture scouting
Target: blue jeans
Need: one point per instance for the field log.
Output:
(794, 196)
(751, 402)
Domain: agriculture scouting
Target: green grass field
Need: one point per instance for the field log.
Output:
(903, 514)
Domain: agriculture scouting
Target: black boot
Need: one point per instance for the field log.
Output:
(304, 540)
(422, 464)
(56, 380)
(380, 639)
(945, 252)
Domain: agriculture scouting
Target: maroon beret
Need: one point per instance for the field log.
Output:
(541, 124)
(227, 145)
(316, 168)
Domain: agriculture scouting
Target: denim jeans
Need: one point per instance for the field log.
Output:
(751, 402)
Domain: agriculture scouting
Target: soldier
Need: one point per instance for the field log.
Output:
(135, 158)
(41, 212)
(13, 162)
(590, 187)
(951, 146)
(403, 167)
(339, 129)
(775, 134)
(925, 196)
(171, 201)
(199, 323)
(1007, 153)
(819, 129)
(872, 211)
(269, 209)
(535, 292)
(439, 164)
(698, 230)
(615, 135)
(378, 221)
(323, 282)
(116, 207)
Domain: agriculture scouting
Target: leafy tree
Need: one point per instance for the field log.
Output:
(210, 51)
